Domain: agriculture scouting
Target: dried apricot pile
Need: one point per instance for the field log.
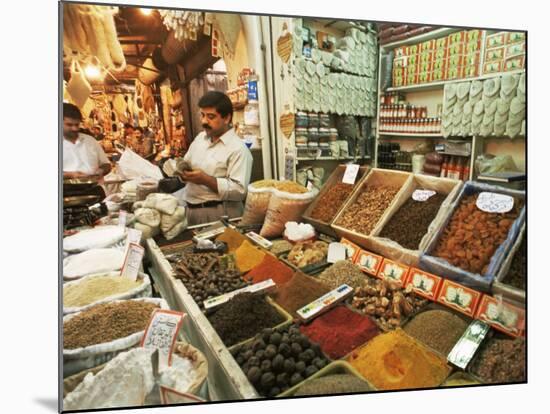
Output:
(472, 235)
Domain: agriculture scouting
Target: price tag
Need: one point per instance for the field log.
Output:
(134, 236)
(161, 333)
(132, 262)
(264, 286)
(336, 251)
(494, 203)
(422, 195)
(259, 240)
(325, 302)
(171, 396)
(350, 174)
(122, 216)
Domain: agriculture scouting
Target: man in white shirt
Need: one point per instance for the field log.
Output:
(82, 154)
(219, 164)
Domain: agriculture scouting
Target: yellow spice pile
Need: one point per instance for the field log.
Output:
(96, 288)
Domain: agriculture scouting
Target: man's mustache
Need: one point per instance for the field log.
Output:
(206, 126)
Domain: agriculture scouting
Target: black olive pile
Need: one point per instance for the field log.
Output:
(278, 359)
(205, 277)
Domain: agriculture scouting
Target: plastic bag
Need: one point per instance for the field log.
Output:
(133, 166)
(164, 203)
(98, 237)
(284, 207)
(92, 262)
(255, 208)
(488, 164)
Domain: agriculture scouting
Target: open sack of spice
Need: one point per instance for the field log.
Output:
(417, 212)
(128, 379)
(97, 334)
(160, 213)
(98, 237)
(93, 261)
(259, 195)
(102, 288)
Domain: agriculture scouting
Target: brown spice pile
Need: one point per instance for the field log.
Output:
(106, 322)
(329, 204)
(298, 292)
(501, 360)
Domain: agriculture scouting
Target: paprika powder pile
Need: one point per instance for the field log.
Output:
(340, 331)
(270, 268)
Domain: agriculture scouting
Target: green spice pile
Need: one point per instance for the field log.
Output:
(333, 384)
(343, 271)
(242, 317)
(106, 322)
(438, 329)
(300, 291)
(410, 223)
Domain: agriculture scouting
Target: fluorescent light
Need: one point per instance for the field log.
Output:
(146, 12)
(92, 72)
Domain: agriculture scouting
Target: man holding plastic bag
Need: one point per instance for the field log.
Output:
(217, 166)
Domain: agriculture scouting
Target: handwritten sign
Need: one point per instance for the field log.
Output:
(422, 195)
(336, 252)
(494, 203)
(325, 302)
(161, 333)
(132, 262)
(350, 174)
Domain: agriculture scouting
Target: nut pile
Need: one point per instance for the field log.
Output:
(472, 236)
(207, 275)
(366, 210)
(410, 223)
(106, 322)
(329, 204)
(387, 302)
(501, 360)
(306, 253)
(278, 359)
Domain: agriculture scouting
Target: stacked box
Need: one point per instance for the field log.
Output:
(505, 51)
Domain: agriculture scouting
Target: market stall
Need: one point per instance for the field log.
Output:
(345, 278)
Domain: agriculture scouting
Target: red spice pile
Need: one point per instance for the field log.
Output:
(270, 268)
(340, 331)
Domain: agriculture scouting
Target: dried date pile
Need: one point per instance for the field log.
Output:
(363, 214)
(502, 360)
(472, 236)
(387, 302)
(410, 223)
(329, 204)
(207, 275)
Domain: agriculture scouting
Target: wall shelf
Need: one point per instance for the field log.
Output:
(408, 135)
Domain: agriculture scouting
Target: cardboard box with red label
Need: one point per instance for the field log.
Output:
(514, 37)
(514, 50)
(424, 284)
(514, 63)
(393, 270)
(458, 297)
(495, 54)
(474, 35)
(369, 262)
(495, 40)
(492, 67)
(502, 316)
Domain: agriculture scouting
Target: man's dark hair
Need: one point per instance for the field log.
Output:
(127, 125)
(218, 100)
(140, 129)
(71, 111)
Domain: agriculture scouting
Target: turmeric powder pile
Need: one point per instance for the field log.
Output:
(248, 256)
(232, 238)
(396, 361)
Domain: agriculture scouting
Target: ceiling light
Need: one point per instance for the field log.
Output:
(146, 12)
(92, 72)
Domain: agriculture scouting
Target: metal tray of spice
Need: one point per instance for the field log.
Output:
(311, 269)
(437, 327)
(334, 368)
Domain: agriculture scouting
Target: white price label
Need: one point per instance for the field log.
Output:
(255, 288)
(325, 302)
(494, 203)
(256, 238)
(422, 195)
(122, 216)
(132, 262)
(336, 252)
(134, 236)
(350, 174)
(161, 333)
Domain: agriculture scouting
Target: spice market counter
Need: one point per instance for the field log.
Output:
(226, 381)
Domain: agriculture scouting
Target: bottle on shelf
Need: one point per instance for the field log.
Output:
(443, 172)
(466, 171)
(252, 113)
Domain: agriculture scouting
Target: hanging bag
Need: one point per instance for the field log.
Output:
(78, 87)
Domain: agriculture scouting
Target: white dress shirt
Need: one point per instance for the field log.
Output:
(85, 155)
(228, 160)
